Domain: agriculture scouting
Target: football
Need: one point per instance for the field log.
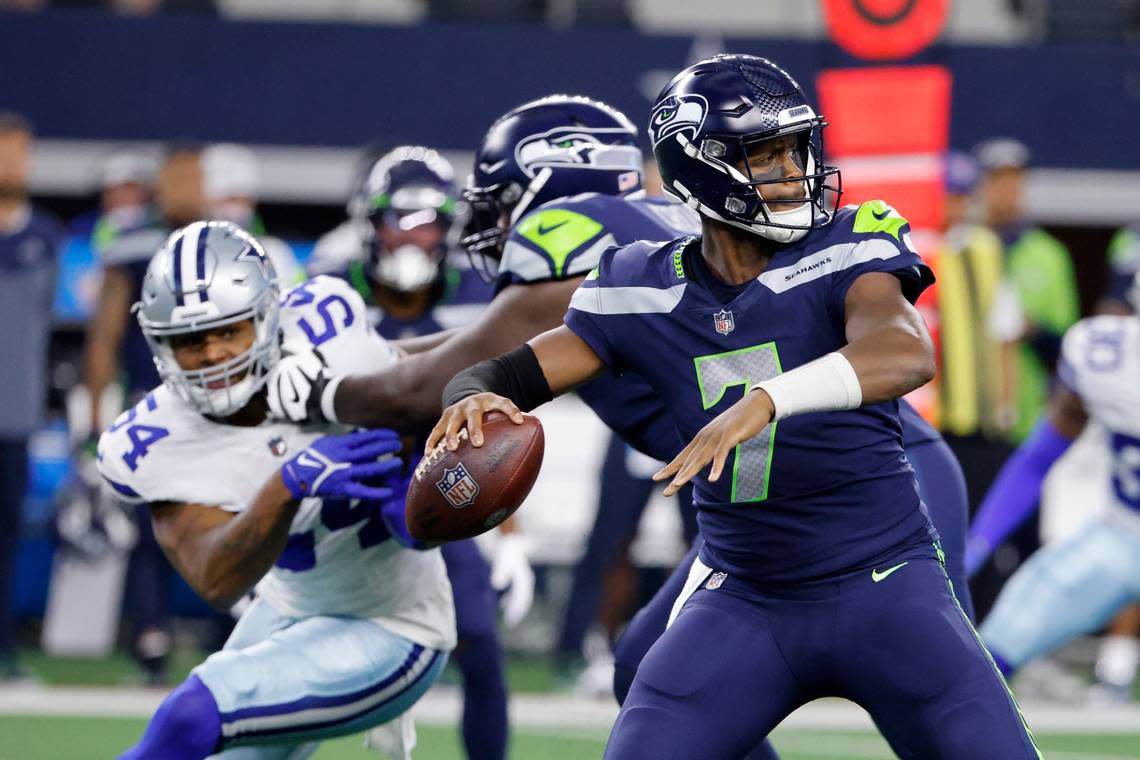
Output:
(460, 494)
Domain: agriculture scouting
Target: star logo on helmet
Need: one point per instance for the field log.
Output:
(676, 114)
(255, 254)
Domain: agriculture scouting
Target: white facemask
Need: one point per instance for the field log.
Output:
(406, 269)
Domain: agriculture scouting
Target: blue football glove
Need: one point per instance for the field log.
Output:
(344, 466)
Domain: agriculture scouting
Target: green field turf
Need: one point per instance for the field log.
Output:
(56, 738)
(525, 674)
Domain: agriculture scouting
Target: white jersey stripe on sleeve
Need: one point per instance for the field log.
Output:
(627, 300)
(832, 259)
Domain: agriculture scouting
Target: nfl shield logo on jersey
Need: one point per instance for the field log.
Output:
(278, 446)
(724, 322)
(715, 581)
(459, 488)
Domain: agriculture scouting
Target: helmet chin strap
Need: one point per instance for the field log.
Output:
(797, 217)
(229, 400)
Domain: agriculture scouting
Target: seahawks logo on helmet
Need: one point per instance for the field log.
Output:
(677, 113)
(563, 147)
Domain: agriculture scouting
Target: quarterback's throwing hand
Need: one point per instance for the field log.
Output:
(469, 413)
(345, 466)
(741, 421)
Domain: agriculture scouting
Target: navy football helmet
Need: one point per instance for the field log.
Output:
(409, 201)
(705, 122)
(546, 149)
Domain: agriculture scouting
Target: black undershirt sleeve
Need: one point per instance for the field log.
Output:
(516, 375)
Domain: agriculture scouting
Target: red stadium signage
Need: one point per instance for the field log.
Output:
(884, 30)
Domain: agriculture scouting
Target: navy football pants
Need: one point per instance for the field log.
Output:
(739, 658)
(943, 489)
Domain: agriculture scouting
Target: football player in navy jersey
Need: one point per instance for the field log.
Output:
(563, 206)
(821, 574)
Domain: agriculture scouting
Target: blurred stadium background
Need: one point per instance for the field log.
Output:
(314, 87)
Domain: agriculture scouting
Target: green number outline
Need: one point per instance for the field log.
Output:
(746, 382)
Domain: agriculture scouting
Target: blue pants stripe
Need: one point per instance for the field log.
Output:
(317, 717)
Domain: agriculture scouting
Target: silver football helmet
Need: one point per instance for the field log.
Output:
(209, 274)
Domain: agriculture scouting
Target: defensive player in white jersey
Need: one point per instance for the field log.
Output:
(1075, 585)
(350, 626)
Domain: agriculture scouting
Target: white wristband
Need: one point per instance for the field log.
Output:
(827, 384)
(328, 409)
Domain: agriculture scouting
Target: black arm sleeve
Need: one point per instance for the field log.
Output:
(516, 375)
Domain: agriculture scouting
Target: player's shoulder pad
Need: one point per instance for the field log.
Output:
(857, 239)
(643, 277)
(319, 302)
(1097, 344)
(559, 239)
(873, 218)
(132, 451)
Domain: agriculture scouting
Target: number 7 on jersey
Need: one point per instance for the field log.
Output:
(716, 373)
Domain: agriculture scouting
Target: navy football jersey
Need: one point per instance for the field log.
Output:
(812, 495)
(457, 299)
(564, 239)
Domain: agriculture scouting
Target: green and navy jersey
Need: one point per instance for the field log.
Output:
(812, 495)
(564, 240)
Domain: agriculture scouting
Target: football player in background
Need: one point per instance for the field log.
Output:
(350, 626)
(811, 312)
(551, 190)
(411, 289)
(1074, 585)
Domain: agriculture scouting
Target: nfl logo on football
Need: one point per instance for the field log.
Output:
(723, 322)
(459, 488)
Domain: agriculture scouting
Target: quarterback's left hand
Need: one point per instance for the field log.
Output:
(295, 387)
(741, 421)
(512, 577)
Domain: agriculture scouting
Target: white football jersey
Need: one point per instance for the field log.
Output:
(340, 559)
(1100, 361)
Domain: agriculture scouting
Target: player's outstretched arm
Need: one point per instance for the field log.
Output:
(421, 343)
(407, 395)
(551, 364)
(888, 345)
(223, 554)
(1016, 491)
